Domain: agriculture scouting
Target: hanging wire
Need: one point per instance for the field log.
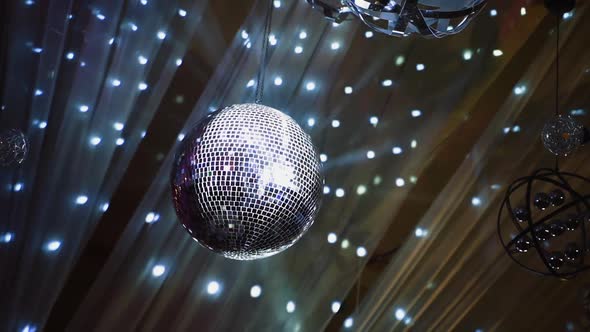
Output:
(264, 53)
(557, 67)
(557, 78)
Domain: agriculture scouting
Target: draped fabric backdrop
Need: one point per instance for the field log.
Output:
(419, 139)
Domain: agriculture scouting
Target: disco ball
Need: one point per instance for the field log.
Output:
(563, 135)
(246, 182)
(13, 147)
(428, 18)
(546, 229)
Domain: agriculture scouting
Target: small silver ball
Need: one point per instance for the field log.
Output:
(14, 147)
(562, 135)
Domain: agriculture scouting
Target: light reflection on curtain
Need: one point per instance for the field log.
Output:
(438, 282)
(313, 273)
(83, 81)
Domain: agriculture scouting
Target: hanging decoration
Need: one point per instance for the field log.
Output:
(14, 147)
(548, 211)
(562, 135)
(247, 180)
(400, 18)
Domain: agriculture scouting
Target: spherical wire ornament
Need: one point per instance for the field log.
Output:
(562, 135)
(247, 182)
(14, 147)
(427, 18)
(543, 220)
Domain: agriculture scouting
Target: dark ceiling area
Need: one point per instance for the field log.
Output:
(420, 139)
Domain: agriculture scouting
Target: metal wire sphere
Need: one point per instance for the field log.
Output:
(247, 182)
(14, 147)
(562, 135)
(428, 18)
(546, 230)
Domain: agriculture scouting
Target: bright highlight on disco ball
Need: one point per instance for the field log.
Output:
(428, 18)
(563, 135)
(13, 147)
(246, 182)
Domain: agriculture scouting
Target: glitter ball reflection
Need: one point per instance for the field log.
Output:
(246, 182)
(13, 147)
(562, 135)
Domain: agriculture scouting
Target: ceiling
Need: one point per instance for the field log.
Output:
(421, 138)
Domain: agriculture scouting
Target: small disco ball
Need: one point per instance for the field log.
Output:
(563, 135)
(545, 230)
(428, 18)
(13, 147)
(247, 182)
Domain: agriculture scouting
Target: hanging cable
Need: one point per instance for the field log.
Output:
(264, 52)
(557, 78)
(557, 67)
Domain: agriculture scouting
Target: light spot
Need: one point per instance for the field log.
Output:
(361, 190)
(476, 201)
(332, 238)
(400, 314)
(95, 140)
(467, 55)
(290, 307)
(81, 200)
(158, 270)
(213, 287)
(361, 252)
(420, 232)
(335, 306)
(255, 291)
(53, 245)
(348, 322)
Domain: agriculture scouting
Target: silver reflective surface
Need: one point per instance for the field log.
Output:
(562, 135)
(13, 147)
(247, 182)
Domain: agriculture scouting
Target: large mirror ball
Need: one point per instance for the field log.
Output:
(247, 182)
